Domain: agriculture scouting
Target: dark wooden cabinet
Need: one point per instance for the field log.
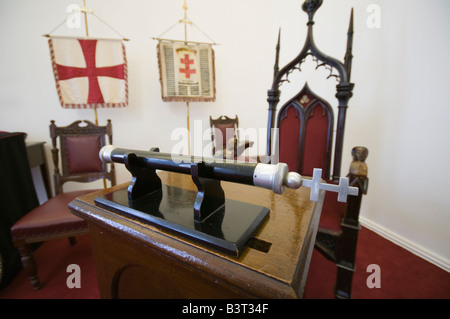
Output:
(18, 195)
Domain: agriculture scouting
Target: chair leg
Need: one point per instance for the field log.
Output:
(72, 241)
(343, 287)
(29, 264)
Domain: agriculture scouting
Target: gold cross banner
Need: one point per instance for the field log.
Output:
(186, 71)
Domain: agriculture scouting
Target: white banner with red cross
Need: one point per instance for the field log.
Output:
(89, 73)
(186, 71)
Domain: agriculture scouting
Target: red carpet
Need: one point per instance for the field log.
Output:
(403, 275)
(52, 259)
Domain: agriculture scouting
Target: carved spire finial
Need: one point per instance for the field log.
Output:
(277, 55)
(348, 54)
(310, 7)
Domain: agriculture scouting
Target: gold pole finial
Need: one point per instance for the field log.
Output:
(85, 10)
(85, 18)
(185, 8)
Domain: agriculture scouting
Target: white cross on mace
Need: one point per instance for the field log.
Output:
(343, 189)
(277, 177)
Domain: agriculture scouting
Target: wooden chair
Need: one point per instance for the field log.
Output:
(225, 137)
(79, 149)
(305, 125)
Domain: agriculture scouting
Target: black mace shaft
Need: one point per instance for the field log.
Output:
(226, 171)
(272, 176)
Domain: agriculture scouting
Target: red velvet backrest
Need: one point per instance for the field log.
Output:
(316, 140)
(223, 129)
(289, 137)
(82, 154)
(305, 133)
(80, 143)
(227, 131)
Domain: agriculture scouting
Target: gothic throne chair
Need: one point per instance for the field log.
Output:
(305, 126)
(79, 149)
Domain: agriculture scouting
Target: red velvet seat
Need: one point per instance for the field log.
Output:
(79, 149)
(50, 219)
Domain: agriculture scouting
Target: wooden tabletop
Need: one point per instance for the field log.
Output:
(290, 231)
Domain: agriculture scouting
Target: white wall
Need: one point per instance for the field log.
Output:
(399, 109)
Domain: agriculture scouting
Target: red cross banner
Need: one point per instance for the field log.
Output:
(186, 72)
(89, 73)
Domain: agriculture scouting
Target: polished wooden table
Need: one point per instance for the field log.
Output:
(137, 260)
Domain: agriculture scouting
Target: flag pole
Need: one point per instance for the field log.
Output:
(84, 10)
(187, 102)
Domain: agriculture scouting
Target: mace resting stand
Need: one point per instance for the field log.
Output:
(205, 216)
